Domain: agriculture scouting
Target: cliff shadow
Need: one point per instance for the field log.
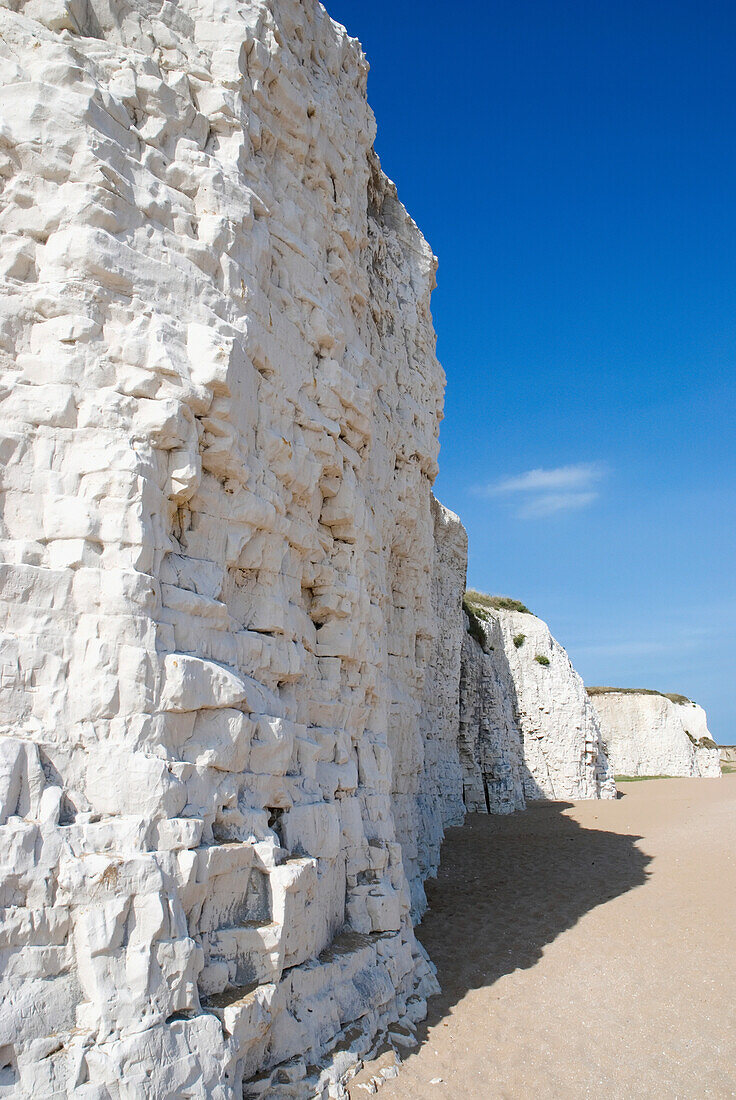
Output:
(508, 886)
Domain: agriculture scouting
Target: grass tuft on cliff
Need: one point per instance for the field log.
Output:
(703, 743)
(673, 697)
(475, 627)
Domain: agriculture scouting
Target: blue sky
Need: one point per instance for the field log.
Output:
(573, 166)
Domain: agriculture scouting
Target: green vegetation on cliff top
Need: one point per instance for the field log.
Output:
(681, 700)
(478, 606)
(481, 601)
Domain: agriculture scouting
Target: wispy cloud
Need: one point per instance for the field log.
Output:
(546, 492)
(579, 476)
(549, 503)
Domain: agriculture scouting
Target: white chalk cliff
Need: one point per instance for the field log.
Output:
(651, 734)
(527, 727)
(220, 405)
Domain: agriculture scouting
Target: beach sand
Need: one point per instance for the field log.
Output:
(584, 950)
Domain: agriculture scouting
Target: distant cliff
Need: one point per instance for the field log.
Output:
(648, 733)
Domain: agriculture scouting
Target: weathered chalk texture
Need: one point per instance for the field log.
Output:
(439, 799)
(491, 744)
(220, 670)
(527, 727)
(651, 734)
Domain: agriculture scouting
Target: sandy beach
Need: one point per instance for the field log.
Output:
(583, 950)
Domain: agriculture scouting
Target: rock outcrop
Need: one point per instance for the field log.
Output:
(220, 406)
(648, 733)
(527, 727)
(728, 754)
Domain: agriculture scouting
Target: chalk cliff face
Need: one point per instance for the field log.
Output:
(220, 406)
(423, 672)
(490, 740)
(527, 727)
(439, 799)
(650, 734)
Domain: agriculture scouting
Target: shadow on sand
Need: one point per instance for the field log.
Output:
(507, 886)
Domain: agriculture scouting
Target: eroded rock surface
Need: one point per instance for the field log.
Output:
(490, 741)
(220, 406)
(651, 734)
(438, 803)
(527, 727)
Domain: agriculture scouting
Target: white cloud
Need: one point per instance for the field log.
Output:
(546, 492)
(549, 503)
